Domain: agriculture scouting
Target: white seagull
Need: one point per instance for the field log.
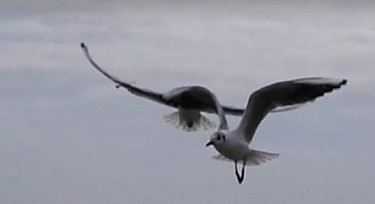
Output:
(233, 145)
(189, 100)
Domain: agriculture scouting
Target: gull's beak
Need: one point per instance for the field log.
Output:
(209, 143)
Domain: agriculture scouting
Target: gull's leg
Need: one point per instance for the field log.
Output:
(237, 174)
(239, 177)
(243, 170)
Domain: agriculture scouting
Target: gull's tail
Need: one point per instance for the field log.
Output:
(257, 157)
(190, 124)
(254, 158)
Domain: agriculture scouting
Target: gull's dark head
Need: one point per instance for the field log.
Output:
(216, 138)
(190, 124)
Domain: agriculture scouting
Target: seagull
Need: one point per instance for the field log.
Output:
(233, 145)
(189, 100)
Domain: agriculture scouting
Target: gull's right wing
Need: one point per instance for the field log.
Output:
(152, 95)
(231, 110)
(160, 97)
(283, 94)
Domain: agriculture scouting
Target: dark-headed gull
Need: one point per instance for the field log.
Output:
(189, 100)
(233, 145)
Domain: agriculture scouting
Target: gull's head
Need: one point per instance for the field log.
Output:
(216, 139)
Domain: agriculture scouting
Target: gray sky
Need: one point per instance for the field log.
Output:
(68, 136)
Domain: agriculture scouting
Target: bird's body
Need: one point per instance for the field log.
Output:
(189, 100)
(233, 145)
(233, 149)
(191, 97)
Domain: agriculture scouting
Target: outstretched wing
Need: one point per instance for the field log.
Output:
(155, 96)
(233, 110)
(286, 93)
(230, 110)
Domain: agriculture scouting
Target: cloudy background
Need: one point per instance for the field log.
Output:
(68, 136)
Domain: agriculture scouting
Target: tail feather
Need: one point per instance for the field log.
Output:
(189, 124)
(257, 157)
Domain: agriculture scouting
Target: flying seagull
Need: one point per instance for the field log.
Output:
(233, 145)
(189, 100)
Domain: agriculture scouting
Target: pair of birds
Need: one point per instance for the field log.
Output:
(232, 145)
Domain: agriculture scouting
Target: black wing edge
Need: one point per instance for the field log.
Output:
(132, 89)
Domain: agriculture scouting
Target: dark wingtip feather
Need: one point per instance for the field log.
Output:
(344, 81)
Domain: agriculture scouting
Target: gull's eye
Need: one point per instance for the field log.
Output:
(220, 137)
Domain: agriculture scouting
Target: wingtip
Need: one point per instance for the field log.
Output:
(83, 45)
(335, 82)
(344, 81)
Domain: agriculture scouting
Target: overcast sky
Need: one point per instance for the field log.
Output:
(68, 136)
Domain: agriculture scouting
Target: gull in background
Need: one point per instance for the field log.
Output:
(189, 100)
(233, 145)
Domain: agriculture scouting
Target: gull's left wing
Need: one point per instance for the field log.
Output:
(286, 93)
(155, 96)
